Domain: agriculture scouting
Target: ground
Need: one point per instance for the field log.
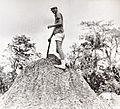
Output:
(42, 86)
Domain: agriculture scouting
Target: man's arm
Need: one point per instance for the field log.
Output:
(55, 25)
(59, 22)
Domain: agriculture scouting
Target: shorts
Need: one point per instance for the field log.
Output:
(59, 36)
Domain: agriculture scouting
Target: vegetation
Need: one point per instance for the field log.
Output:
(97, 55)
(21, 52)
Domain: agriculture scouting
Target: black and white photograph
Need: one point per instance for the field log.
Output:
(59, 54)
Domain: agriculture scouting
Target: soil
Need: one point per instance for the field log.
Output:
(42, 86)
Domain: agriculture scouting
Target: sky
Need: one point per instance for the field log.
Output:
(31, 17)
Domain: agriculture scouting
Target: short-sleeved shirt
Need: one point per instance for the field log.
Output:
(58, 18)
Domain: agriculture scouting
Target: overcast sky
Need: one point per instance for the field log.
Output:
(31, 17)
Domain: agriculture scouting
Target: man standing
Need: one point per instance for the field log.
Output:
(58, 33)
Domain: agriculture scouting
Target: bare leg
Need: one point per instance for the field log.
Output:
(59, 49)
(60, 52)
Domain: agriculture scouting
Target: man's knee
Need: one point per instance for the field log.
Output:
(59, 50)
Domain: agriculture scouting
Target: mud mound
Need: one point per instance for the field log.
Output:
(53, 59)
(42, 86)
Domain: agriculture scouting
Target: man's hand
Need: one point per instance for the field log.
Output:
(49, 27)
(49, 40)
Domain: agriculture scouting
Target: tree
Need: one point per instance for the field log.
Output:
(21, 50)
(104, 37)
(3, 85)
(74, 55)
(19, 54)
(96, 53)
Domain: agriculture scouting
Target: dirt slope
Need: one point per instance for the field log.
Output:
(42, 86)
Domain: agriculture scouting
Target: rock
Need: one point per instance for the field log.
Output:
(42, 86)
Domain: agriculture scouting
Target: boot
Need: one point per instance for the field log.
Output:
(62, 66)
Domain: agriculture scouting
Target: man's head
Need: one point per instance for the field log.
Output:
(54, 9)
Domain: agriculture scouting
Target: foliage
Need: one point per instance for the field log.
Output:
(103, 37)
(96, 54)
(3, 87)
(22, 49)
(74, 55)
(19, 53)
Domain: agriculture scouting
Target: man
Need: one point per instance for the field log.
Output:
(58, 33)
